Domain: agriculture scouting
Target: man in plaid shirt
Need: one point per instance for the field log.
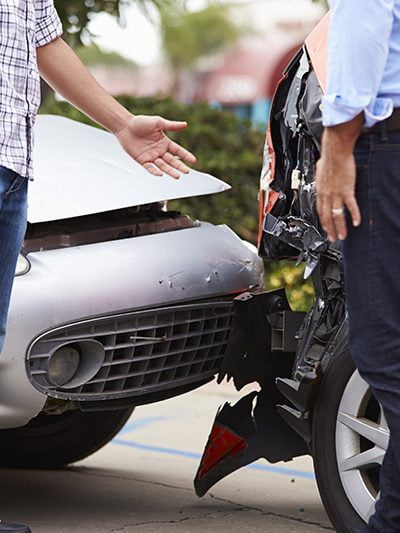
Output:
(31, 46)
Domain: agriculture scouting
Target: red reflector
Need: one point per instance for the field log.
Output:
(222, 443)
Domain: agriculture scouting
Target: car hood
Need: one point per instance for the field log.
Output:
(81, 170)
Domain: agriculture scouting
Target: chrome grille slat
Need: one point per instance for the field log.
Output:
(196, 336)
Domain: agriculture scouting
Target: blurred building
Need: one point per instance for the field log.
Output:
(247, 75)
(242, 79)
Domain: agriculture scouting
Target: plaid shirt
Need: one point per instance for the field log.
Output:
(24, 26)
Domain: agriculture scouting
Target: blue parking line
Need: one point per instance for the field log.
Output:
(284, 471)
(157, 449)
(190, 455)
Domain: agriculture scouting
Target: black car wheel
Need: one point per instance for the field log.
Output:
(51, 441)
(350, 437)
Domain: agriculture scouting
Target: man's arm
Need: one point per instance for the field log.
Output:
(358, 48)
(142, 137)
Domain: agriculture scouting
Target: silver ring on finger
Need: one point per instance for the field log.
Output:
(337, 211)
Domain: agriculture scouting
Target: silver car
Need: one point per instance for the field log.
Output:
(117, 301)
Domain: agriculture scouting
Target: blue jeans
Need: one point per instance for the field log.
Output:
(13, 206)
(372, 273)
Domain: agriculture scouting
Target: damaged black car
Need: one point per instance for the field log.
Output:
(311, 399)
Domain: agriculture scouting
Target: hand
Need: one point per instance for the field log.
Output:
(143, 138)
(335, 184)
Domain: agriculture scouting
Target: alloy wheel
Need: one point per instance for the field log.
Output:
(362, 438)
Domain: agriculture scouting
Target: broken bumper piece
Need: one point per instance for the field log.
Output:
(243, 433)
(263, 327)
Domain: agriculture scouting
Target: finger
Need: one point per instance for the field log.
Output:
(327, 219)
(152, 169)
(181, 152)
(354, 210)
(339, 222)
(165, 167)
(176, 163)
(319, 205)
(171, 125)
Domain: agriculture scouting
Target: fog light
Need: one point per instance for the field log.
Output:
(63, 364)
(75, 363)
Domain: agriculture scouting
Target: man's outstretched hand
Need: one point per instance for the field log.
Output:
(144, 139)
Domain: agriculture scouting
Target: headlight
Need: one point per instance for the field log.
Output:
(23, 265)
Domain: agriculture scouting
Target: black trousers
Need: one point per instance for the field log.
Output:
(372, 268)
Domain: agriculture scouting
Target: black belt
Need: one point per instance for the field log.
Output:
(390, 124)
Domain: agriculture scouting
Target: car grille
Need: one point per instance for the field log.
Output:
(145, 351)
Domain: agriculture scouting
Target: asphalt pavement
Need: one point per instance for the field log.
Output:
(142, 482)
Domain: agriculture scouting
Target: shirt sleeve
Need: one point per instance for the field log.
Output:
(358, 48)
(48, 23)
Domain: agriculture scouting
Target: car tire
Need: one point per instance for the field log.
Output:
(53, 441)
(346, 463)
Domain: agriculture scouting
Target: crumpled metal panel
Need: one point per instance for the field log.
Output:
(290, 224)
(82, 170)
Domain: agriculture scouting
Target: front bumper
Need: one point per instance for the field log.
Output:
(71, 285)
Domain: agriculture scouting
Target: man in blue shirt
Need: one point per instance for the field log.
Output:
(358, 198)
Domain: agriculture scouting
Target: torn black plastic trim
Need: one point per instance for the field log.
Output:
(263, 327)
(245, 432)
(300, 235)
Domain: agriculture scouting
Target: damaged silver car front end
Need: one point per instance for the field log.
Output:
(118, 301)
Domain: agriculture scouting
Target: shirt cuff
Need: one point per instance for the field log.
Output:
(48, 29)
(337, 110)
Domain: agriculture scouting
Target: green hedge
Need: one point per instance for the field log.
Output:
(230, 149)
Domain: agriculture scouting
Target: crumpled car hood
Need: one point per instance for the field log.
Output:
(81, 170)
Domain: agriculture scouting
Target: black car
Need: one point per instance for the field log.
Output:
(312, 399)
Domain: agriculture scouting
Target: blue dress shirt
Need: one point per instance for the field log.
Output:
(363, 61)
